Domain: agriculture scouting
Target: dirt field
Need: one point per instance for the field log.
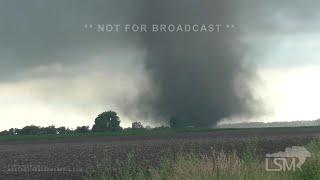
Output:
(71, 158)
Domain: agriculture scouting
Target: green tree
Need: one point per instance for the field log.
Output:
(137, 125)
(82, 129)
(62, 130)
(107, 121)
(13, 131)
(4, 133)
(30, 130)
(49, 130)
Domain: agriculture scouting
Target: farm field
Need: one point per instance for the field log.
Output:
(80, 156)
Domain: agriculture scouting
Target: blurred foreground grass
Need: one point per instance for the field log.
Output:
(218, 166)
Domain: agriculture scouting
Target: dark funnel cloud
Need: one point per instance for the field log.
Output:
(197, 78)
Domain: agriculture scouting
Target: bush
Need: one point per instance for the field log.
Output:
(49, 130)
(62, 130)
(82, 129)
(137, 125)
(4, 133)
(310, 169)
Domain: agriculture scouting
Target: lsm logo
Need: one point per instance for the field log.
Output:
(291, 159)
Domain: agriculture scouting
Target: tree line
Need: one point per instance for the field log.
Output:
(106, 121)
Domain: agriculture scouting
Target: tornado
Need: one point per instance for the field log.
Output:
(196, 78)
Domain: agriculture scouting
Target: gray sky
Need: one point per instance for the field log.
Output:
(54, 71)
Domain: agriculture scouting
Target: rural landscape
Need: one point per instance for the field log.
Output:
(106, 151)
(159, 90)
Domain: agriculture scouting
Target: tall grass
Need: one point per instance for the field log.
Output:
(219, 166)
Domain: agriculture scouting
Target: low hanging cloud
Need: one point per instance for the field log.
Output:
(65, 100)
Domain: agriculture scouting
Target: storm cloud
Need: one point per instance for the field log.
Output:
(47, 57)
(196, 77)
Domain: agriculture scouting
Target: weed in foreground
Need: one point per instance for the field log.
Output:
(218, 166)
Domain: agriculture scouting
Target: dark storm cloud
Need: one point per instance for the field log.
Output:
(202, 78)
(194, 75)
(198, 77)
(273, 17)
(40, 32)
